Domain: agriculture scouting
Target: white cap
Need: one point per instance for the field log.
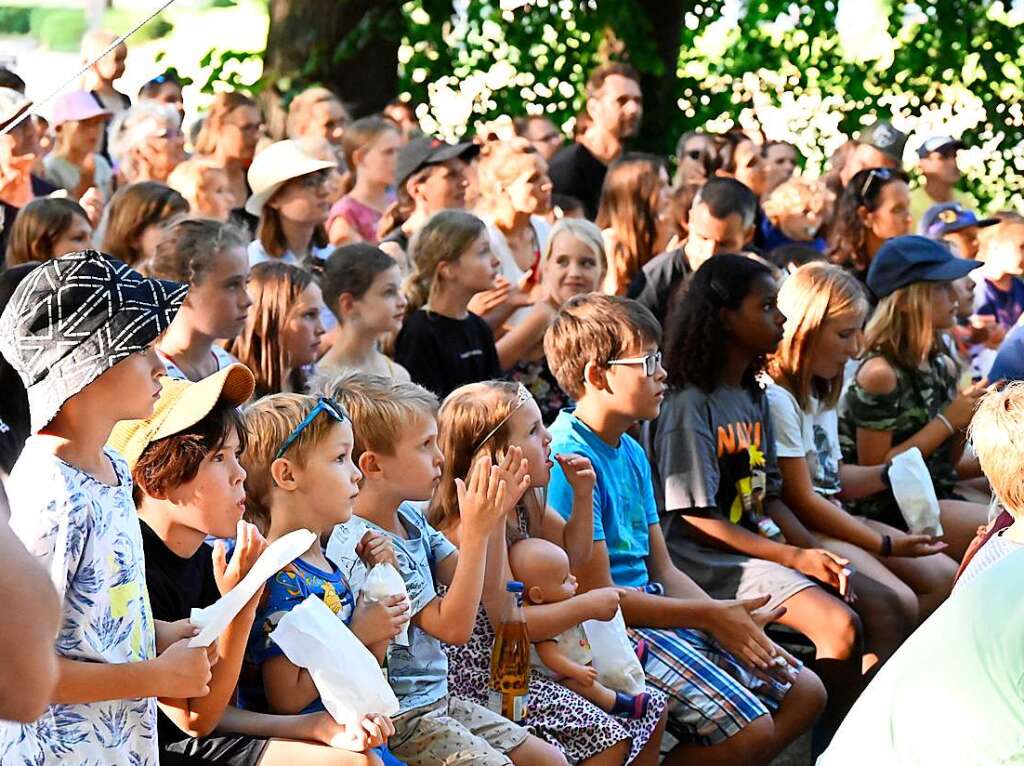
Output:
(273, 167)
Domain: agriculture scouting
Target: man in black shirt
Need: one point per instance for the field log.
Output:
(721, 221)
(614, 106)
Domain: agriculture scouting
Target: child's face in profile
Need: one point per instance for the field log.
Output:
(526, 430)
(128, 390)
(212, 503)
(413, 469)
(631, 390)
(329, 478)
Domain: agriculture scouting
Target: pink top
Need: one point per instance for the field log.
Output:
(362, 218)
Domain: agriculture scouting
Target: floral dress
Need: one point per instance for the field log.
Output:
(556, 714)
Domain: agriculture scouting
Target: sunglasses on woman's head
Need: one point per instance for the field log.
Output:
(323, 404)
(882, 174)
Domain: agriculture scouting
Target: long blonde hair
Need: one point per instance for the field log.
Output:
(901, 327)
(813, 294)
(443, 239)
(274, 287)
(466, 416)
(501, 163)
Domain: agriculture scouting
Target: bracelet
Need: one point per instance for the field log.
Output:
(946, 423)
(886, 546)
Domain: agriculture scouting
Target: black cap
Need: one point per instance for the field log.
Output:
(426, 150)
(903, 261)
(885, 138)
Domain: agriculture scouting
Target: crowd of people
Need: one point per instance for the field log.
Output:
(674, 387)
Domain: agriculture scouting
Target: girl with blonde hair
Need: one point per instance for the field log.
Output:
(490, 418)
(825, 308)
(205, 185)
(371, 147)
(572, 263)
(281, 338)
(633, 200)
(905, 392)
(442, 343)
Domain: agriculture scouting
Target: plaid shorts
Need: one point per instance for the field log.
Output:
(711, 694)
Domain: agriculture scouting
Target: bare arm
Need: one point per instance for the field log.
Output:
(289, 688)
(522, 338)
(451, 619)
(859, 481)
(28, 666)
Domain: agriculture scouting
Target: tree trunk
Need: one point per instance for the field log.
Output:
(660, 89)
(348, 46)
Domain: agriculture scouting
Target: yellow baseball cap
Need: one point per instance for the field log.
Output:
(181, 405)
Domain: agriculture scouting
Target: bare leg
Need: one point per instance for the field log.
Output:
(800, 709)
(750, 746)
(537, 752)
(960, 522)
(930, 577)
(288, 752)
(597, 692)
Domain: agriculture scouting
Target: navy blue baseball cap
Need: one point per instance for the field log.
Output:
(948, 217)
(903, 261)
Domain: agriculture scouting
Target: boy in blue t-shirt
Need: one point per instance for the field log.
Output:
(733, 689)
(397, 452)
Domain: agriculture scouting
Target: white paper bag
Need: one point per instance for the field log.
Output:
(214, 619)
(915, 493)
(350, 682)
(383, 582)
(615, 660)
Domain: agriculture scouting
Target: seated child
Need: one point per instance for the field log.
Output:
(543, 569)
(396, 447)
(300, 475)
(951, 694)
(71, 507)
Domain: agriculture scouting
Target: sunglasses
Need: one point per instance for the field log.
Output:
(651, 362)
(883, 174)
(324, 405)
(312, 180)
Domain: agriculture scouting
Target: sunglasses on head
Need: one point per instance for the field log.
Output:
(323, 404)
(883, 174)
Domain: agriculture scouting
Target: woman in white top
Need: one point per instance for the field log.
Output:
(825, 309)
(291, 198)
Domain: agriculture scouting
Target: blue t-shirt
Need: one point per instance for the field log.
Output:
(418, 673)
(283, 592)
(624, 505)
(1009, 363)
(1005, 305)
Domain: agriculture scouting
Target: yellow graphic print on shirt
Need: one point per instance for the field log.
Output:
(750, 489)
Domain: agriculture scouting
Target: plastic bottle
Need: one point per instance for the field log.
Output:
(510, 660)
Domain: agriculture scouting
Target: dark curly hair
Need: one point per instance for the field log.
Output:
(847, 244)
(696, 340)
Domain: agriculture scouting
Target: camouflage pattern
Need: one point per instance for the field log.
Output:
(918, 397)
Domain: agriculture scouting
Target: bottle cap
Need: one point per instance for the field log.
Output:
(514, 586)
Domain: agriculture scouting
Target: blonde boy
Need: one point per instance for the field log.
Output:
(396, 449)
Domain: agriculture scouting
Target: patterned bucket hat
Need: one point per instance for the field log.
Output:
(75, 317)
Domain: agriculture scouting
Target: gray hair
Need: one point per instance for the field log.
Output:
(135, 126)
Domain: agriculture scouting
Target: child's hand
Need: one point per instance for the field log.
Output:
(184, 673)
(585, 674)
(249, 546)
(515, 471)
(482, 498)
(602, 603)
(486, 301)
(916, 545)
(578, 472)
(379, 620)
(92, 202)
(375, 549)
(168, 633)
(378, 729)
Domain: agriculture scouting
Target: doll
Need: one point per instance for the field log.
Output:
(543, 568)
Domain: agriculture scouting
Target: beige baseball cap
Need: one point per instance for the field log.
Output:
(181, 405)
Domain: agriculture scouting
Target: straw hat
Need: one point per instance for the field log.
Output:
(181, 405)
(273, 167)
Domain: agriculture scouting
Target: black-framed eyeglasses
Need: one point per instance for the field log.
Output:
(651, 362)
(883, 174)
(313, 180)
(323, 404)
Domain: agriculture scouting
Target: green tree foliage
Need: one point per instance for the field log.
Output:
(780, 67)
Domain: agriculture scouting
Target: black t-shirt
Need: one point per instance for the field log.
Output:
(442, 353)
(654, 284)
(176, 585)
(578, 173)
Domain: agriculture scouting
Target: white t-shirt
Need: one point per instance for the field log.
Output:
(62, 173)
(812, 435)
(952, 693)
(86, 536)
(220, 355)
(509, 267)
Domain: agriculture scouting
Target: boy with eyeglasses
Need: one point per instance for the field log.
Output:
(735, 696)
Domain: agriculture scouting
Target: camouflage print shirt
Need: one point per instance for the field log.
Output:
(918, 397)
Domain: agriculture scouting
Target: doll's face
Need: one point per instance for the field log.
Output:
(543, 568)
